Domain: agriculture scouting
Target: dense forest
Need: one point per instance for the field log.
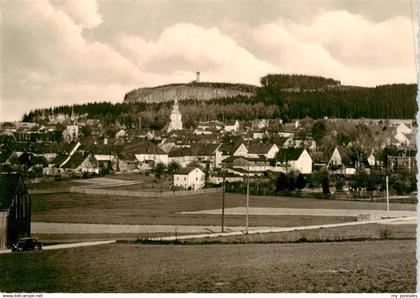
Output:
(317, 98)
(298, 82)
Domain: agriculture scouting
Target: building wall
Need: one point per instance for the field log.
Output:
(304, 163)
(194, 179)
(157, 158)
(182, 161)
(3, 230)
(88, 166)
(335, 158)
(272, 152)
(241, 151)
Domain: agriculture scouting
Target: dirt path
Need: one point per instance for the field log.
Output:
(402, 220)
(307, 212)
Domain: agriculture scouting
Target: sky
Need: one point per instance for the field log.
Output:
(62, 52)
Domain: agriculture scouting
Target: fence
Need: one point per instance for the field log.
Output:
(144, 194)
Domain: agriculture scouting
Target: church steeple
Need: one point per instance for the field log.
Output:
(176, 117)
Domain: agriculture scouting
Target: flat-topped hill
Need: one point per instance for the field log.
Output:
(200, 91)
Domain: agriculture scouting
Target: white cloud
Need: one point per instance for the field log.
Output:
(47, 60)
(336, 44)
(184, 48)
(83, 12)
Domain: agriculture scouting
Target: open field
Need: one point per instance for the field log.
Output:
(56, 184)
(368, 266)
(343, 233)
(85, 208)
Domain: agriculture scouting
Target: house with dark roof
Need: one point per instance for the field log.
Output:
(182, 156)
(248, 164)
(226, 150)
(146, 151)
(15, 209)
(269, 151)
(202, 153)
(294, 159)
(81, 162)
(127, 163)
(342, 161)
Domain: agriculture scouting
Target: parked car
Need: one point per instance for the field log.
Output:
(25, 244)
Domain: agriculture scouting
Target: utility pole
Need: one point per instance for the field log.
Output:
(247, 202)
(387, 195)
(223, 201)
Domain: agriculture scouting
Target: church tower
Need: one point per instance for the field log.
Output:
(176, 118)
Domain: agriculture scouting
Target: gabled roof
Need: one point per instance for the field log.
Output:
(126, 156)
(66, 148)
(76, 159)
(203, 149)
(59, 159)
(289, 154)
(180, 152)
(233, 158)
(229, 149)
(230, 122)
(143, 147)
(348, 157)
(4, 155)
(8, 185)
(187, 170)
(259, 148)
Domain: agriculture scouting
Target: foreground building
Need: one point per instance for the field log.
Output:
(15, 209)
(189, 178)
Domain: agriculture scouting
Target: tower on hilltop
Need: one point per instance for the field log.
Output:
(197, 79)
(176, 118)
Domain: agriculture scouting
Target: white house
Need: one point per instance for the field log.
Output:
(189, 178)
(342, 162)
(295, 159)
(232, 126)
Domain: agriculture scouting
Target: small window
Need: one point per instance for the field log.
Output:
(185, 178)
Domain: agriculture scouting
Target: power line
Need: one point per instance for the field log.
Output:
(414, 37)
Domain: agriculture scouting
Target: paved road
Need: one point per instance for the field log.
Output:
(307, 212)
(208, 233)
(70, 245)
(80, 228)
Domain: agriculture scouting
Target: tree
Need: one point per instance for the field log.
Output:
(325, 185)
(158, 170)
(339, 183)
(291, 181)
(360, 180)
(300, 182)
(86, 131)
(318, 130)
(281, 182)
(173, 167)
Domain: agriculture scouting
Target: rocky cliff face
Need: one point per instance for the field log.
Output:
(199, 91)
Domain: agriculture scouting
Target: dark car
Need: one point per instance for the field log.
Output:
(25, 244)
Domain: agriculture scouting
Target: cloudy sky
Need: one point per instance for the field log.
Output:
(64, 52)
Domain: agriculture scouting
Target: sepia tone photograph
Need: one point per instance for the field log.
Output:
(208, 146)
